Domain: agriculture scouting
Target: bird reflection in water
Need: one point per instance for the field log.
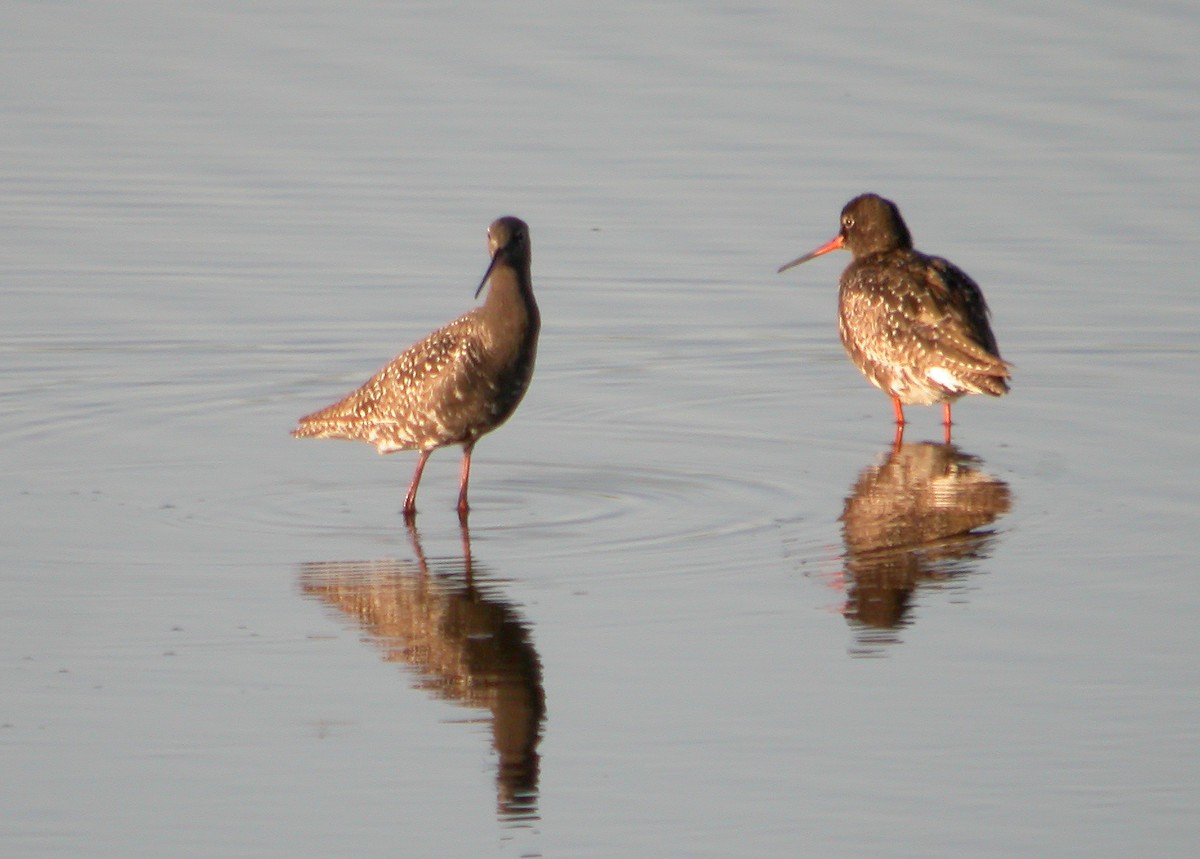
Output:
(465, 643)
(913, 520)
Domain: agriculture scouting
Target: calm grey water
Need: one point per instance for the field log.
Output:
(703, 609)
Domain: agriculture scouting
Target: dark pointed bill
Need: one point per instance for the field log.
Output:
(488, 273)
(836, 243)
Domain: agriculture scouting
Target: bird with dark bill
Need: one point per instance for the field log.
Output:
(915, 325)
(457, 384)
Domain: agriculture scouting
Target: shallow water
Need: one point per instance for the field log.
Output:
(703, 607)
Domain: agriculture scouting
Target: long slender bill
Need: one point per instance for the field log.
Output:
(488, 273)
(836, 243)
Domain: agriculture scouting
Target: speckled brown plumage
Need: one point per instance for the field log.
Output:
(915, 325)
(448, 621)
(919, 515)
(457, 384)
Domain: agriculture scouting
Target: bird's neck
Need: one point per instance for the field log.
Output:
(510, 298)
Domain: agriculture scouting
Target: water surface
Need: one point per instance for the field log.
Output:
(703, 607)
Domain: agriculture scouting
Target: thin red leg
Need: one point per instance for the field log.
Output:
(463, 507)
(899, 439)
(899, 411)
(410, 500)
(946, 422)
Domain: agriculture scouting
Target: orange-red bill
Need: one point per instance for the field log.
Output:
(834, 244)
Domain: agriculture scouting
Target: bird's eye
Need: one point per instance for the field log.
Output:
(847, 222)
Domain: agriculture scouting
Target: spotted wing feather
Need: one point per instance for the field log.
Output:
(419, 400)
(918, 328)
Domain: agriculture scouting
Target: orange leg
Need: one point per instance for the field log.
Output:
(946, 422)
(899, 411)
(465, 477)
(410, 500)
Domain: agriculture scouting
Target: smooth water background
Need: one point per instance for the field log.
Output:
(219, 641)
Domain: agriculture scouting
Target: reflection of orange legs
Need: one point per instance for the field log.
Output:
(465, 532)
(946, 422)
(410, 524)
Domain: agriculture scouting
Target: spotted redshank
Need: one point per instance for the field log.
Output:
(915, 325)
(457, 384)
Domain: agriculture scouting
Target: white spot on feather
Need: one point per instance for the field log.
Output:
(942, 376)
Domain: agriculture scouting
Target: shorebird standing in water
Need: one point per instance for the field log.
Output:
(915, 325)
(457, 384)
